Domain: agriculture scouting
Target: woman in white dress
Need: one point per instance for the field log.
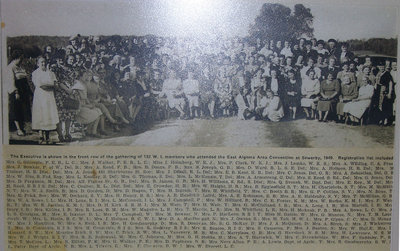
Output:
(172, 89)
(191, 90)
(357, 107)
(44, 108)
(274, 110)
(309, 91)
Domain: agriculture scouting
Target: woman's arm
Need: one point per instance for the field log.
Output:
(65, 88)
(355, 93)
(366, 95)
(337, 90)
(389, 95)
(322, 91)
(317, 87)
(274, 104)
(216, 87)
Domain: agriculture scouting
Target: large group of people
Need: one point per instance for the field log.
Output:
(103, 83)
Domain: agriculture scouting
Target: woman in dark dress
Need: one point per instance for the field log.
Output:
(207, 94)
(384, 88)
(23, 95)
(330, 89)
(292, 92)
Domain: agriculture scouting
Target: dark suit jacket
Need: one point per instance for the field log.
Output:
(327, 70)
(349, 55)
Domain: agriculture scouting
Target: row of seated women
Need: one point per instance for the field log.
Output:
(341, 96)
(52, 104)
(348, 100)
(349, 95)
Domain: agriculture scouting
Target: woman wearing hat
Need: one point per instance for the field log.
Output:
(320, 48)
(332, 47)
(73, 44)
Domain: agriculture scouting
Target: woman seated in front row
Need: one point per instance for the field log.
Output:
(270, 107)
(356, 108)
(329, 91)
(348, 92)
(88, 114)
(310, 89)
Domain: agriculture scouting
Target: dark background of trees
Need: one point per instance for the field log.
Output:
(377, 45)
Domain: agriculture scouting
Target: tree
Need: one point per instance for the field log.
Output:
(277, 22)
(302, 21)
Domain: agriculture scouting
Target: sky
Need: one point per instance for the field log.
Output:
(201, 18)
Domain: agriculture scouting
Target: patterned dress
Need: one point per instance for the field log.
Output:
(65, 75)
(223, 88)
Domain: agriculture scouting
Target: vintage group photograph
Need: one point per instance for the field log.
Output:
(204, 73)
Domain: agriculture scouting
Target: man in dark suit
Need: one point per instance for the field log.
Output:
(331, 68)
(332, 49)
(344, 55)
(309, 52)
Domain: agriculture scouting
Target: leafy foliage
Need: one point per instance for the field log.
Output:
(277, 22)
(377, 45)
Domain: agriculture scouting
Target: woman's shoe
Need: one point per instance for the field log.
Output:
(68, 138)
(61, 139)
(113, 121)
(125, 121)
(97, 135)
(104, 133)
(41, 140)
(116, 128)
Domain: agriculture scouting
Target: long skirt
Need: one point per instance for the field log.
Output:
(88, 115)
(309, 102)
(44, 110)
(175, 102)
(241, 106)
(325, 105)
(22, 106)
(339, 108)
(193, 100)
(274, 115)
(358, 108)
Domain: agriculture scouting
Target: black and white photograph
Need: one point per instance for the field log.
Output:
(199, 73)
